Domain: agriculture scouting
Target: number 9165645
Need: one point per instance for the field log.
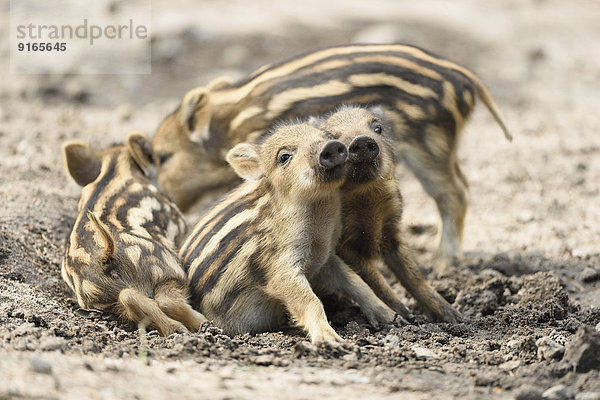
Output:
(59, 46)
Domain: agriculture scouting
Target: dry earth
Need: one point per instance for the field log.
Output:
(529, 287)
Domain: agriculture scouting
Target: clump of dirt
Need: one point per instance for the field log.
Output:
(494, 346)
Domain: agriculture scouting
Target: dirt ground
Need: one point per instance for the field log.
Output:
(529, 287)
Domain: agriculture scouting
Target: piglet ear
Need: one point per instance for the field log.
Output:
(219, 83)
(315, 121)
(108, 241)
(194, 113)
(243, 158)
(377, 110)
(380, 112)
(140, 150)
(81, 162)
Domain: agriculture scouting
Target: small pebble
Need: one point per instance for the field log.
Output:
(583, 351)
(548, 349)
(525, 217)
(485, 379)
(124, 112)
(528, 392)
(304, 348)
(23, 329)
(510, 365)
(588, 396)
(392, 340)
(50, 343)
(589, 275)
(265, 359)
(40, 366)
(422, 353)
(558, 392)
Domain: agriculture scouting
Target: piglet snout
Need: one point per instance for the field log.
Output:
(333, 154)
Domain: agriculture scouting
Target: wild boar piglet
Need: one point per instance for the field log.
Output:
(260, 255)
(121, 253)
(426, 98)
(372, 212)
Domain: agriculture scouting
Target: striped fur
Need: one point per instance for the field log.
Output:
(120, 255)
(372, 212)
(426, 98)
(258, 256)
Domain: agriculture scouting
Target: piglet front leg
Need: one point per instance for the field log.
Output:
(336, 277)
(292, 288)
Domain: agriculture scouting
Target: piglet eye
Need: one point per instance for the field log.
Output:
(284, 158)
(110, 269)
(163, 158)
(378, 129)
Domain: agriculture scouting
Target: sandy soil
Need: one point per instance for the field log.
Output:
(529, 287)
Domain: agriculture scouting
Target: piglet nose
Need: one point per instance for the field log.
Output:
(334, 153)
(363, 149)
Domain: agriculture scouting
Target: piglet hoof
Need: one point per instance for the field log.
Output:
(444, 264)
(448, 314)
(401, 321)
(196, 321)
(454, 316)
(327, 338)
(403, 316)
(380, 316)
(181, 330)
(171, 328)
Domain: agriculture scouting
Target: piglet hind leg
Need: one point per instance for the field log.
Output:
(294, 291)
(171, 298)
(139, 308)
(443, 180)
(337, 277)
(399, 260)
